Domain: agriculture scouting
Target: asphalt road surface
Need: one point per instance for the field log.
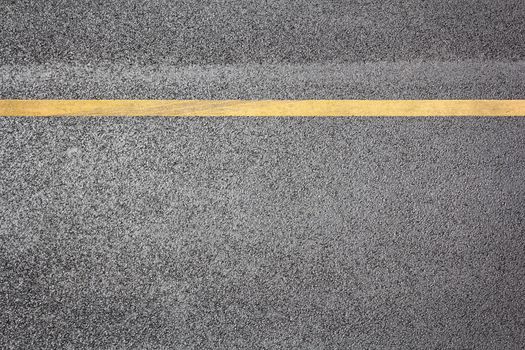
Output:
(262, 233)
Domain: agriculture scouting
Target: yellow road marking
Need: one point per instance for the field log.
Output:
(263, 108)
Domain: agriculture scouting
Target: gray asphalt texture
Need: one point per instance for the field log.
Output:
(378, 80)
(271, 31)
(262, 233)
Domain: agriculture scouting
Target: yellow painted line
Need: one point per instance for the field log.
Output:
(263, 108)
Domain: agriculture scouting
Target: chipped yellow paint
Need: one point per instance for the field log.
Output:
(262, 108)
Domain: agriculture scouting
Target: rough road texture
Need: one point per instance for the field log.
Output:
(262, 233)
(378, 80)
(275, 31)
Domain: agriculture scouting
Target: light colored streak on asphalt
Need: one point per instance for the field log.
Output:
(262, 108)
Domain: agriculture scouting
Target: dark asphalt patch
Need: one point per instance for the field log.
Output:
(262, 233)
